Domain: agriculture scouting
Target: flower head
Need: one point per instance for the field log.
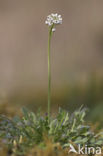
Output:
(53, 20)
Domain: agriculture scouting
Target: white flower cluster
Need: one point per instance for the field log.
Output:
(53, 19)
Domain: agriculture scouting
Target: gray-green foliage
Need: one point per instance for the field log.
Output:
(28, 131)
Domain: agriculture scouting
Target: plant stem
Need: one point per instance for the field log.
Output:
(49, 73)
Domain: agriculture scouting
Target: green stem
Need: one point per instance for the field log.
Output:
(49, 72)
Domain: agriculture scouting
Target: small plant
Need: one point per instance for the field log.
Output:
(52, 20)
(22, 135)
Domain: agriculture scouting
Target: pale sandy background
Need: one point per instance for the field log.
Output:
(77, 45)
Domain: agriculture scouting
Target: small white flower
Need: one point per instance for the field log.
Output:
(53, 19)
(53, 29)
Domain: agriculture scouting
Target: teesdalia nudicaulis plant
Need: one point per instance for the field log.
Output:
(52, 20)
